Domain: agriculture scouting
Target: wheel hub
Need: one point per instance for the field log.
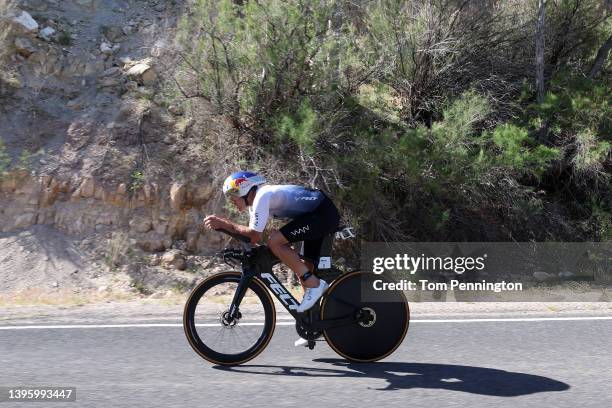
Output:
(368, 317)
(229, 322)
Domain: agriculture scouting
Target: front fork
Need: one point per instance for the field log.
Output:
(243, 285)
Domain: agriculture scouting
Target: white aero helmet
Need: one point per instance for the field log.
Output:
(239, 184)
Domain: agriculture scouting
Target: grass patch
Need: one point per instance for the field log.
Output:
(140, 287)
(63, 38)
(117, 250)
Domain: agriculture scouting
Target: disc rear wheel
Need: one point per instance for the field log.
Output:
(382, 318)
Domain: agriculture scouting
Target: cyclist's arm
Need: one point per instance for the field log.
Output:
(258, 216)
(215, 222)
(257, 223)
(255, 236)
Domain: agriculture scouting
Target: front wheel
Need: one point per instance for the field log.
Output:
(216, 337)
(376, 336)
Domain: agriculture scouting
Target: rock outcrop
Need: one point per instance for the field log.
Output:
(108, 159)
(141, 72)
(153, 216)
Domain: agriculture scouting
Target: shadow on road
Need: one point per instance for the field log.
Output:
(475, 380)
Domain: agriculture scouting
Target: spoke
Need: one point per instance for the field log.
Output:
(223, 339)
(244, 338)
(219, 333)
(223, 334)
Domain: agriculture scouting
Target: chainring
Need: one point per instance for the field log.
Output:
(305, 333)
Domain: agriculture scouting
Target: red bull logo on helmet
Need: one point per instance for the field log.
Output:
(236, 182)
(239, 181)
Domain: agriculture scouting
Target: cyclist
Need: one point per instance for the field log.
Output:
(312, 216)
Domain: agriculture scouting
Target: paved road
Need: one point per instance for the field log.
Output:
(502, 364)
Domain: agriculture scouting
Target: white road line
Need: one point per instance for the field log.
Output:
(513, 319)
(145, 325)
(291, 323)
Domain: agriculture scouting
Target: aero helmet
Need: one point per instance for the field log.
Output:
(240, 183)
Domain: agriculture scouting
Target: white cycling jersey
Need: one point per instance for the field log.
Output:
(281, 201)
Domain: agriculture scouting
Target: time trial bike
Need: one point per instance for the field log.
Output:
(230, 317)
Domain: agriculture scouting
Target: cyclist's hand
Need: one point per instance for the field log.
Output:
(214, 222)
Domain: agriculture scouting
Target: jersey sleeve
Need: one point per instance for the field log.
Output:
(260, 212)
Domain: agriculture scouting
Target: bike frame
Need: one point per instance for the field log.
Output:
(258, 264)
(308, 320)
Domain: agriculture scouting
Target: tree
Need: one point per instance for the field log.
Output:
(539, 43)
(602, 54)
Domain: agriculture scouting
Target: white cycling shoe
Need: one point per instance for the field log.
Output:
(311, 295)
(301, 342)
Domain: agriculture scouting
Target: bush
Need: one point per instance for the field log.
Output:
(5, 159)
(64, 38)
(299, 128)
(418, 116)
(256, 58)
(137, 179)
(580, 114)
(519, 153)
(117, 250)
(602, 219)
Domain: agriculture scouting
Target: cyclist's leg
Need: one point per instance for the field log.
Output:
(280, 246)
(307, 227)
(312, 250)
(306, 261)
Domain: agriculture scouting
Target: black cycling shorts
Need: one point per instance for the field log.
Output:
(312, 227)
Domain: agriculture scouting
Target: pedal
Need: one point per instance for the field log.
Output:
(311, 344)
(346, 233)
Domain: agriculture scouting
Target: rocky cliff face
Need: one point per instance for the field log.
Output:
(154, 216)
(99, 148)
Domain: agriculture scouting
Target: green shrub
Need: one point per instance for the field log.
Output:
(602, 219)
(382, 100)
(579, 113)
(64, 38)
(257, 58)
(300, 128)
(5, 159)
(454, 137)
(137, 179)
(418, 116)
(591, 153)
(25, 160)
(518, 152)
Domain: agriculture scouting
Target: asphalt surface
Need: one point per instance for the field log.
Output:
(457, 364)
